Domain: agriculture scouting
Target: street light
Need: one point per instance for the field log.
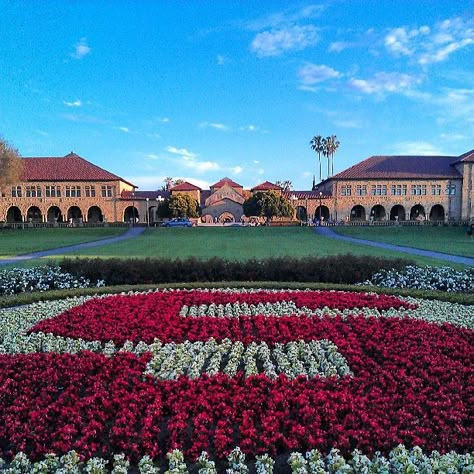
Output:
(159, 200)
(320, 207)
(133, 209)
(147, 213)
(293, 199)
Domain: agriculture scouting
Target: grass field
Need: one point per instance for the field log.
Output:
(236, 243)
(450, 240)
(18, 242)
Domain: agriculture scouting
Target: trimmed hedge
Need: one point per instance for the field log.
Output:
(347, 269)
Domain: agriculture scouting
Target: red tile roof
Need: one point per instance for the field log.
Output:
(67, 168)
(185, 187)
(225, 181)
(402, 167)
(266, 186)
(467, 157)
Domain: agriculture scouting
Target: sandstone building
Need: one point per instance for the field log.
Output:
(72, 190)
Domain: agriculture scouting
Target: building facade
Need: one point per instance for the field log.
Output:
(72, 190)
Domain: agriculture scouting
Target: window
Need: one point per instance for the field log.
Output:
(107, 191)
(73, 191)
(436, 189)
(90, 191)
(33, 191)
(451, 189)
(361, 190)
(346, 190)
(418, 190)
(16, 191)
(398, 190)
(379, 190)
(53, 191)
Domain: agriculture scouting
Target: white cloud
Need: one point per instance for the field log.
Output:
(256, 162)
(236, 170)
(81, 49)
(216, 126)
(416, 148)
(76, 103)
(386, 82)
(249, 128)
(152, 156)
(124, 129)
(187, 155)
(338, 46)
(311, 74)
(431, 45)
(164, 119)
(277, 41)
(201, 166)
(451, 137)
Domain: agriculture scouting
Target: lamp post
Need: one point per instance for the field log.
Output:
(320, 207)
(133, 209)
(147, 212)
(159, 200)
(293, 199)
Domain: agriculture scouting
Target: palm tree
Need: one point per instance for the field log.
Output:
(317, 146)
(331, 145)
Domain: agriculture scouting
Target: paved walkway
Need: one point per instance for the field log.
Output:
(132, 232)
(328, 232)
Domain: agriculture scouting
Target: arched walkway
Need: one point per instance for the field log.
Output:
(34, 214)
(378, 213)
(54, 214)
(226, 217)
(358, 213)
(131, 215)
(397, 213)
(417, 213)
(14, 215)
(74, 215)
(437, 213)
(94, 214)
(321, 211)
(301, 214)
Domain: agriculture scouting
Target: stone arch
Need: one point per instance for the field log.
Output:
(94, 215)
(378, 213)
(14, 214)
(301, 213)
(226, 216)
(54, 214)
(417, 213)
(397, 213)
(207, 219)
(358, 213)
(321, 211)
(34, 214)
(74, 213)
(437, 213)
(131, 214)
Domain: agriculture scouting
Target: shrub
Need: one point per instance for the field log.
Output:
(332, 269)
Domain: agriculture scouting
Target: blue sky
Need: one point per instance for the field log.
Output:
(200, 90)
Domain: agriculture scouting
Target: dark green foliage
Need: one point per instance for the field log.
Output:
(332, 269)
(268, 204)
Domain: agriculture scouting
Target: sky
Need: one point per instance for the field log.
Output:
(200, 90)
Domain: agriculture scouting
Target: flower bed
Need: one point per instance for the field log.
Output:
(269, 371)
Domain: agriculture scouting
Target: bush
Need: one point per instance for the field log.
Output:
(333, 269)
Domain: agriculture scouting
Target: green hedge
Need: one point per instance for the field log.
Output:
(347, 269)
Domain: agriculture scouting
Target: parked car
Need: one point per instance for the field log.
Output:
(178, 222)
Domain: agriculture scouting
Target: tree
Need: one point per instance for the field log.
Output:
(317, 146)
(11, 165)
(268, 204)
(331, 145)
(286, 185)
(171, 182)
(183, 205)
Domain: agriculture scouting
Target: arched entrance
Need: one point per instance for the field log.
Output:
(358, 213)
(54, 214)
(34, 214)
(14, 215)
(94, 215)
(75, 214)
(397, 213)
(301, 214)
(207, 219)
(417, 213)
(131, 215)
(321, 211)
(378, 213)
(226, 217)
(437, 213)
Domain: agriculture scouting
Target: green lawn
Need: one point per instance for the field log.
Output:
(236, 243)
(451, 240)
(21, 241)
